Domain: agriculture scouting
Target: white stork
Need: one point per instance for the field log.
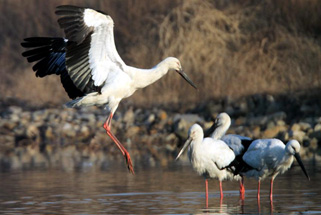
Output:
(239, 144)
(270, 157)
(209, 158)
(90, 68)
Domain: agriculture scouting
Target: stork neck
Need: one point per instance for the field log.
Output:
(219, 132)
(286, 161)
(145, 77)
(197, 144)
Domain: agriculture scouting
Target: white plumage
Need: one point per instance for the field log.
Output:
(209, 158)
(221, 124)
(90, 68)
(237, 143)
(270, 157)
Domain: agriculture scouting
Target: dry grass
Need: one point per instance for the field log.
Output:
(228, 48)
(235, 52)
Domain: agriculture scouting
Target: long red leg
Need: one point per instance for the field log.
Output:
(242, 189)
(221, 190)
(118, 144)
(206, 193)
(271, 190)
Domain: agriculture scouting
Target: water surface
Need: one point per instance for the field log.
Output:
(154, 190)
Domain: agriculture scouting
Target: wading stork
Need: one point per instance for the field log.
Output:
(89, 66)
(210, 158)
(270, 157)
(239, 144)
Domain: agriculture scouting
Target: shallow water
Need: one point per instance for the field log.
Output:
(174, 190)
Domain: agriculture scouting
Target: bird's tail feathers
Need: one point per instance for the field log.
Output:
(74, 103)
(88, 100)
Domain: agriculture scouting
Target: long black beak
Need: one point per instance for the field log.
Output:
(298, 158)
(186, 144)
(184, 75)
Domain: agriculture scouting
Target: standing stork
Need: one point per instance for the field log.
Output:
(210, 158)
(90, 68)
(270, 157)
(239, 144)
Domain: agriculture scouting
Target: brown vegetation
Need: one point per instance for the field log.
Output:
(228, 48)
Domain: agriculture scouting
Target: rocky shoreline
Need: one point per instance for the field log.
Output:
(74, 138)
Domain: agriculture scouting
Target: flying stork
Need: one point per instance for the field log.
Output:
(90, 68)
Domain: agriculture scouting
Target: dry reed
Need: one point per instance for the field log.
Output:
(228, 48)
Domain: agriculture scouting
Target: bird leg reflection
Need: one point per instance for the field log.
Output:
(258, 190)
(221, 190)
(271, 190)
(118, 144)
(272, 208)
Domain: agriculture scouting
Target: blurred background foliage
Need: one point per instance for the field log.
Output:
(229, 48)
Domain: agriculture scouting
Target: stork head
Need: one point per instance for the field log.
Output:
(221, 124)
(174, 64)
(195, 132)
(224, 120)
(293, 148)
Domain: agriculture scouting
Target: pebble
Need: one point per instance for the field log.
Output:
(75, 137)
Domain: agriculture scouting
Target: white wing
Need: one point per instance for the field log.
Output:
(263, 152)
(91, 52)
(218, 152)
(235, 142)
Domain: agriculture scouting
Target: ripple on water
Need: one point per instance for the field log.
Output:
(149, 192)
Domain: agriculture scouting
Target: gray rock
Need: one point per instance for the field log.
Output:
(316, 134)
(259, 120)
(182, 122)
(15, 110)
(280, 122)
(88, 117)
(8, 124)
(68, 130)
(150, 119)
(274, 131)
(32, 131)
(270, 125)
(192, 118)
(298, 135)
(295, 127)
(14, 117)
(129, 117)
(317, 127)
(304, 126)
(277, 116)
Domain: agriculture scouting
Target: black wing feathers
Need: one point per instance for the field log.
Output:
(239, 164)
(72, 91)
(77, 53)
(72, 21)
(69, 57)
(50, 54)
(77, 60)
(246, 144)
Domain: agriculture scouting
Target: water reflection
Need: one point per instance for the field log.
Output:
(175, 190)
